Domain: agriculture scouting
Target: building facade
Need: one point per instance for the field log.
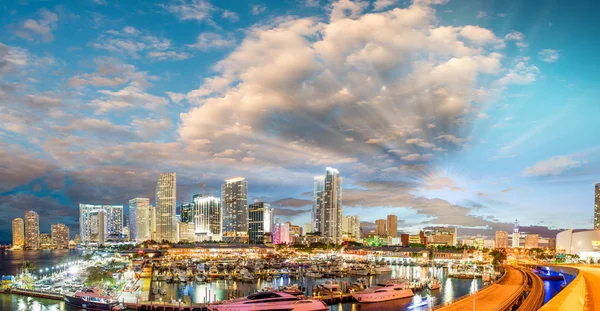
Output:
(531, 241)
(208, 221)
(166, 194)
(585, 243)
(260, 222)
(32, 230)
(139, 219)
(501, 239)
(327, 205)
(318, 188)
(281, 232)
(60, 236)
(392, 226)
(186, 212)
(234, 197)
(351, 226)
(597, 206)
(114, 221)
(381, 227)
(46, 241)
(441, 236)
(18, 233)
(516, 236)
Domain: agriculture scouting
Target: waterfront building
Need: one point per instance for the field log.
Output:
(281, 233)
(114, 221)
(516, 235)
(60, 236)
(260, 222)
(307, 228)
(597, 207)
(441, 236)
(380, 227)
(501, 239)
(186, 232)
(208, 222)
(327, 205)
(531, 241)
(392, 226)
(234, 197)
(585, 243)
(139, 219)
(45, 241)
(186, 211)
(166, 194)
(18, 233)
(351, 226)
(32, 230)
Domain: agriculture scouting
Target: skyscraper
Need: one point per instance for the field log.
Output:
(92, 223)
(351, 226)
(597, 207)
(139, 219)
(327, 205)
(186, 212)
(281, 232)
(18, 233)
(531, 241)
(234, 195)
(319, 186)
(152, 222)
(501, 239)
(114, 221)
(166, 194)
(516, 235)
(32, 230)
(392, 226)
(60, 236)
(208, 220)
(260, 221)
(380, 227)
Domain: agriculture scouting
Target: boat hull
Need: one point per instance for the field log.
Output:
(379, 297)
(312, 306)
(78, 302)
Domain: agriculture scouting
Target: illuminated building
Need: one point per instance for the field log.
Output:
(441, 236)
(531, 241)
(45, 241)
(351, 226)
(380, 227)
(139, 219)
(234, 197)
(152, 223)
(319, 186)
(60, 236)
(114, 221)
(307, 228)
(327, 205)
(392, 226)
(501, 239)
(281, 232)
(585, 243)
(208, 223)
(32, 230)
(186, 212)
(166, 194)
(552, 244)
(186, 232)
(260, 222)
(516, 235)
(18, 233)
(597, 206)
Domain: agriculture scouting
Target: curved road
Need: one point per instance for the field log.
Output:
(489, 298)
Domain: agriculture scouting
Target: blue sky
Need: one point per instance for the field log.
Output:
(461, 113)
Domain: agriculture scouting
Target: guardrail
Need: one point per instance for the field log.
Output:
(486, 288)
(511, 300)
(571, 297)
(535, 299)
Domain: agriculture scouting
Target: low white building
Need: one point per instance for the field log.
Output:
(585, 243)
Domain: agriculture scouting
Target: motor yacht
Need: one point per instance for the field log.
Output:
(384, 292)
(383, 269)
(90, 299)
(270, 300)
(358, 271)
(331, 285)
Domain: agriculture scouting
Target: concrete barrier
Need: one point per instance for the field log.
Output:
(571, 297)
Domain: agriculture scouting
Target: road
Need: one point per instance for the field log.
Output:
(490, 298)
(591, 275)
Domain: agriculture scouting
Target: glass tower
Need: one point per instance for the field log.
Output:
(166, 193)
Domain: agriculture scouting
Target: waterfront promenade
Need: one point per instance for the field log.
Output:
(493, 296)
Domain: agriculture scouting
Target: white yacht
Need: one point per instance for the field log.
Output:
(383, 269)
(270, 300)
(384, 292)
(358, 271)
(331, 285)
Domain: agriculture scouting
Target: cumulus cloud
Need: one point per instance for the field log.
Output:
(42, 27)
(210, 40)
(196, 10)
(382, 4)
(549, 56)
(417, 157)
(133, 42)
(552, 166)
(256, 9)
(521, 73)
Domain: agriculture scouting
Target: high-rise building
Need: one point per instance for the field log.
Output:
(166, 194)
(327, 205)
(186, 232)
(92, 223)
(208, 222)
(531, 241)
(295, 231)
(516, 236)
(234, 195)
(281, 232)
(552, 244)
(32, 230)
(597, 207)
(18, 233)
(501, 239)
(307, 228)
(380, 227)
(114, 221)
(260, 222)
(46, 241)
(60, 236)
(441, 236)
(351, 226)
(186, 211)
(392, 226)
(319, 187)
(139, 219)
(152, 222)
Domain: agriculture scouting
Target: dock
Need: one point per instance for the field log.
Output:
(33, 293)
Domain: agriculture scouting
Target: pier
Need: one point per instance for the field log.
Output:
(33, 293)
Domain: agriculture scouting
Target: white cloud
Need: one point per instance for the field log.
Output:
(483, 116)
(347, 9)
(127, 98)
(549, 56)
(522, 73)
(551, 166)
(312, 3)
(42, 27)
(256, 9)
(481, 14)
(232, 16)
(198, 10)
(515, 36)
(382, 4)
(210, 40)
(417, 157)
(419, 142)
(168, 55)
(133, 42)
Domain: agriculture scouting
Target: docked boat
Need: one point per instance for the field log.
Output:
(434, 284)
(213, 272)
(384, 292)
(270, 300)
(331, 285)
(358, 271)
(90, 299)
(383, 269)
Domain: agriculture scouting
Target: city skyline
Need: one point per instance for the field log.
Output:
(451, 114)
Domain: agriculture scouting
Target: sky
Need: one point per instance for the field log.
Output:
(461, 113)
